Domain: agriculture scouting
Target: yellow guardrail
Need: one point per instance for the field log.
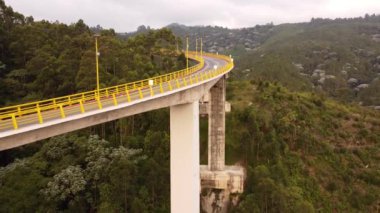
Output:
(13, 117)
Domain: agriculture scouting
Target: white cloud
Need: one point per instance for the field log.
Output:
(126, 15)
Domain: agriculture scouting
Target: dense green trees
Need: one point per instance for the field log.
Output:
(299, 150)
(42, 59)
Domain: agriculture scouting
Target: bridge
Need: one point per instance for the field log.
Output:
(181, 91)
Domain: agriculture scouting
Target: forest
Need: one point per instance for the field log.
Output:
(302, 150)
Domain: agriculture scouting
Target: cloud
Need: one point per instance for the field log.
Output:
(126, 15)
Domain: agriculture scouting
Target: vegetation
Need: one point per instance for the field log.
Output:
(338, 58)
(41, 59)
(303, 151)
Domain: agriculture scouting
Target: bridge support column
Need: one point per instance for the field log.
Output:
(184, 158)
(216, 126)
(220, 183)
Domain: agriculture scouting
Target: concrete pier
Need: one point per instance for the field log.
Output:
(220, 184)
(184, 158)
(216, 126)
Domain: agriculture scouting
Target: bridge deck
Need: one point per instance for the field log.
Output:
(13, 124)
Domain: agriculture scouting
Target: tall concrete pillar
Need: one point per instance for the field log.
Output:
(184, 158)
(216, 126)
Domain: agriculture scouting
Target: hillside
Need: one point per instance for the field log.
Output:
(340, 58)
(217, 39)
(303, 152)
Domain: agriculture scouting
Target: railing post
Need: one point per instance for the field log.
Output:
(141, 94)
(14, 121)
(170, 86)
(151, 91)
(177, 81)
(19, 111)
(81, 106)
(62, 112)
(99, 103)
(127, 93)
(39, 115)
(114, 99)
(161, 89)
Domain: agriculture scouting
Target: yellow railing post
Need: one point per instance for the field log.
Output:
(114, 99)
(184, 81)
(161, 89)
(127, 93)
(62, 112)
(151, 91)
(107, 94)
(14, 121)
(191, 80)
(81, 106)
(177, 81)
(69, 100)
(40, 120)
(55, 104)
(19, 111)
(140, 93)
(170, 86)
(99, 103)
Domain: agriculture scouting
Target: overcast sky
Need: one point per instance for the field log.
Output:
(127, 15)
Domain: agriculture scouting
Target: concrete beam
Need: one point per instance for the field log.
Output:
(184, 158)
(204, 108)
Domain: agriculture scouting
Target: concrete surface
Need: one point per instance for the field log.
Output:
(216, 126)
(184, 158)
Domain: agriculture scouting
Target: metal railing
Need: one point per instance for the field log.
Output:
(14, 117)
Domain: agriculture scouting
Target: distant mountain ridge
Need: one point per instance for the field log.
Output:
(340, 57)
(217, 39)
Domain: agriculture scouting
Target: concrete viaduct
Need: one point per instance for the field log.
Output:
(182, 91)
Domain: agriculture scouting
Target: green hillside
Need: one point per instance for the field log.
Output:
(339, 58)
(303, 152)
